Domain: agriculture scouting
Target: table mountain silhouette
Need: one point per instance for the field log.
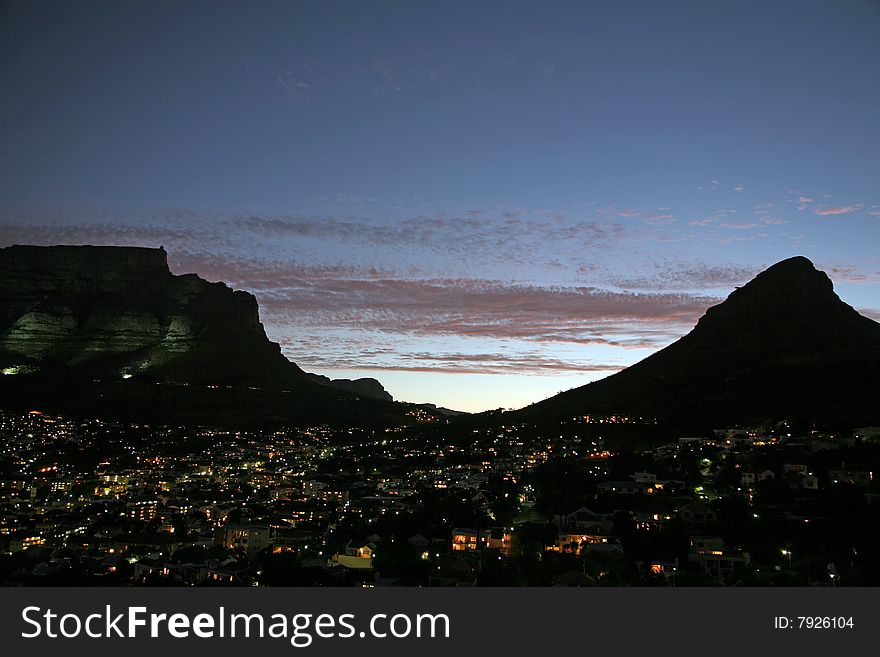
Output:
(110, 331)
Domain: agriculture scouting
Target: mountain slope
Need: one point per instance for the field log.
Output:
(784, 345)
(110, 330)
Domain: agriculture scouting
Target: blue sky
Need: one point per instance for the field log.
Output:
(480, 204)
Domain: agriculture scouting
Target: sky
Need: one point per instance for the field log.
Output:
(480, 204)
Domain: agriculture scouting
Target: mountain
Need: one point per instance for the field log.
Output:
(110, 330)
(448, 412)
(782, 346)
(365, 386)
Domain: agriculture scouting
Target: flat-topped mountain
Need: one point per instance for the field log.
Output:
(364, 386)
(106, 329)
(782, 346)
(120, 310)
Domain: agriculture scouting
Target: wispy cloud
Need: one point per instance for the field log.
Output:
(853, 275)
(533, 363)
(694, 276)
(482, 308)
(803, 202)
(469, 240)
(835, 210)
(392, 302)
(713, 218)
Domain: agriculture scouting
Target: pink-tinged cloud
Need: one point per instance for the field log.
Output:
(448, 363)
(383, 301)
(852, 275)
(843, 209)
(803, 202)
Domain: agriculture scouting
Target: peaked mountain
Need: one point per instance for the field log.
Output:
(782, 346)
(110, 330)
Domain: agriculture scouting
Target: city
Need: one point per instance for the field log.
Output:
(590, 501)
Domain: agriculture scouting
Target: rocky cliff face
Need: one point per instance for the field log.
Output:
(120, 310)
(110, 332)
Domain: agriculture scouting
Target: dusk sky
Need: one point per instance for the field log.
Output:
(478, 203)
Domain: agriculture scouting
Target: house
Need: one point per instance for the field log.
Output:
(721, 564)
(665, 568)
(810, 482)
(356, 556)
(249, 539)
(766, 475)
(583, 521)
(854, 477)
(465, 539)
(750, 477)
(652, 515)
(625, 487)
(697, 516)
(868, 434)
(707, 545)
(576, 543)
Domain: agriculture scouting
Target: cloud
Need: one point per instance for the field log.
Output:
(438, 229)
(100, 234)
(767, 214)
(466, 242)
(471, 239)
(390, 302)
(712, 218)
(532, 363)
(696, 276)
(803, 202)
(852, 275)
(844, 209)
(480, 308)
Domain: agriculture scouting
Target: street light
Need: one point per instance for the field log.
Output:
(787, 553)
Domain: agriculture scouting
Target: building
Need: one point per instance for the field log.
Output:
(697, 516)
(248, 539)
(356, 556)
(465, 539)
(142, 510)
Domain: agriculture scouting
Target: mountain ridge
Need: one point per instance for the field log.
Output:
(782, 345)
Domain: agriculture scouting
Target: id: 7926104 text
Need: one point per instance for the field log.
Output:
(813, 622)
